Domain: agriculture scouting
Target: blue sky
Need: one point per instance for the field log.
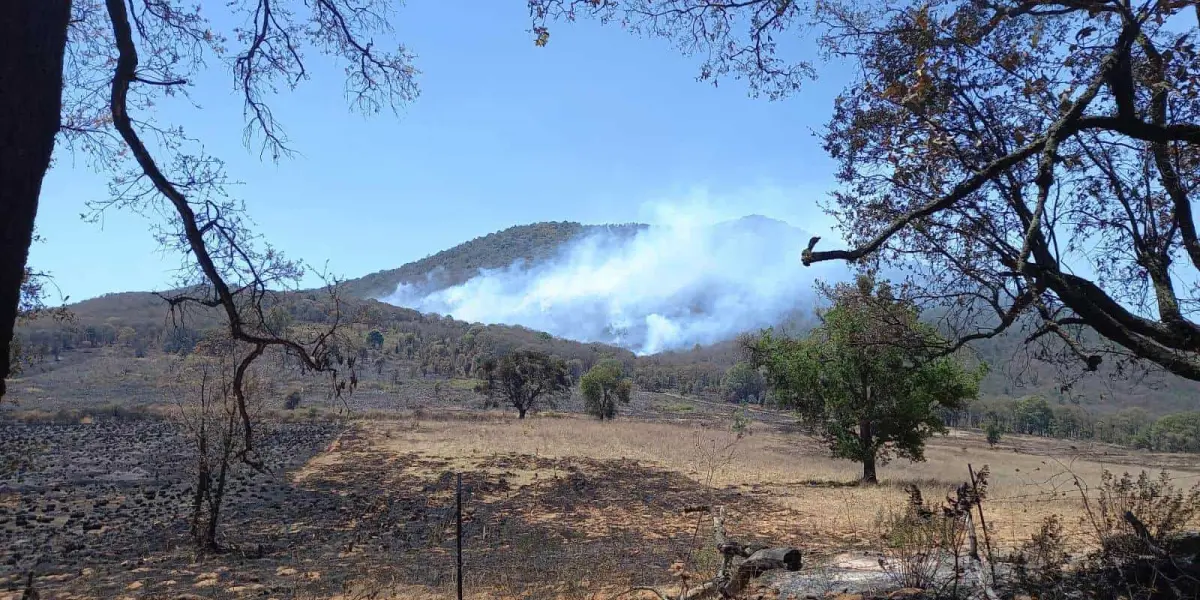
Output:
(599, 126)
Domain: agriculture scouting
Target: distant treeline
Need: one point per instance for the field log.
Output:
(1034, 415)
(392, 339)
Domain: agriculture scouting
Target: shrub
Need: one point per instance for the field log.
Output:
(1141, 554)
(1163, 508)
(993, 434)
(923, 546)
(1039, 562)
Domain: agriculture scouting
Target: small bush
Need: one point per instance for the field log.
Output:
(923, 546)
(993, 434)
(1143, 552)
(1039, 563)
(1164, 509)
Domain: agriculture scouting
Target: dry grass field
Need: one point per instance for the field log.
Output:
(563, 506)
(790, 473)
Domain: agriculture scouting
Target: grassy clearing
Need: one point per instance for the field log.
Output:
(1030, 478)
(464, 384)
(679, 407)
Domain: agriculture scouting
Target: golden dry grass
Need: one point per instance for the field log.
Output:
(1030, 478)
(563, 506)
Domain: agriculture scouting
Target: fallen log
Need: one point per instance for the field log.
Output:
(772, 558)
(734, 575)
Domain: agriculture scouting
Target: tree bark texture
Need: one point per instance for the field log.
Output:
(33, 40)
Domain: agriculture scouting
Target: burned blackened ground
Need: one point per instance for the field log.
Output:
(103, 514)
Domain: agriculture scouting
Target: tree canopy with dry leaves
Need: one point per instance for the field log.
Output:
(1031, 162)
(91, 73)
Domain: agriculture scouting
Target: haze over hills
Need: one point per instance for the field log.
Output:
(596, 289)
(662, 290)
(645, 288)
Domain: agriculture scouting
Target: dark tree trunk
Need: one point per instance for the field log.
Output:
(201, 495)
(34, 34)
(521, 412)
(214, 512)
(866, 439)
(869, 475)
(218, 495)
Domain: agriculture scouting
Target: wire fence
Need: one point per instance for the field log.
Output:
(510, 554)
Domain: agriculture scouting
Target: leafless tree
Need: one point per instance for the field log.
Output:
(209, 413)
(91, 72)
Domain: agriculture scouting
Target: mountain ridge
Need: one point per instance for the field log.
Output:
(531, 242)
(537, 242)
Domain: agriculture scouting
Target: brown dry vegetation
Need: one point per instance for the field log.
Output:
(563, 506)
(1030, 477)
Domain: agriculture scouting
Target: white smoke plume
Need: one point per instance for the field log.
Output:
(668, 287)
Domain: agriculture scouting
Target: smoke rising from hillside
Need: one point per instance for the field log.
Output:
(668, 287)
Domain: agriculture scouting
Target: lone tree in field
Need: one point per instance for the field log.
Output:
(603, 386)
(1033, 162)
(525, 378)
(91, 73)
(993, 433)
(869, 379)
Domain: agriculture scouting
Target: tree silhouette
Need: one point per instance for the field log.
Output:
(91, 72)
(1032, 163)
(525, 378)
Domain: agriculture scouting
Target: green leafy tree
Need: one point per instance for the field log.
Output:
(871, 379)
(525, 378)
(1034, 416)
(993, 434)
(603, 386)
(375, 339)
(743, 382)
(1179, 432)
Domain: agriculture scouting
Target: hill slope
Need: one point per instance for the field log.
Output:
(531, 243)
(665, 287)
(450, 347)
